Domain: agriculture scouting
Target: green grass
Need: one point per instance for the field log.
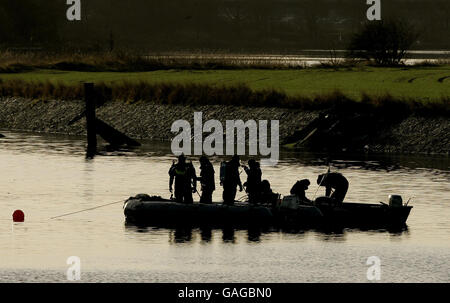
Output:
(417, 83)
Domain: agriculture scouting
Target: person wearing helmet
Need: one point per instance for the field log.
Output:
(185, 180)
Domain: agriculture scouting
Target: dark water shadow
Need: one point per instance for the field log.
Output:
(254, 234)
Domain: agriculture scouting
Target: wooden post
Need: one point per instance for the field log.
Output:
(90, 119)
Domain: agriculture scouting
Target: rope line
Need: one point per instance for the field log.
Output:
(79, 211)
(328, 171)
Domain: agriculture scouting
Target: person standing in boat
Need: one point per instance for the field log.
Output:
(299, 189)
(252, 186)
(185, 180)
(230, 179)
(336, 182)
(206, 180)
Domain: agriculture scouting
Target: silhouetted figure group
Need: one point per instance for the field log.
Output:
(335, 183)
(185, 178)
(258, 191)
(184, 175)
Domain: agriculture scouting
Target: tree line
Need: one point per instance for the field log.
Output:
(233, 25)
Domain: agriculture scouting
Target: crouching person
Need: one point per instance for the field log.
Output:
(268, 197)
(336, 182)
(299, 189)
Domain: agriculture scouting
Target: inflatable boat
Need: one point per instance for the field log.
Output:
(349, 214)
(154, 210)
(157, 211)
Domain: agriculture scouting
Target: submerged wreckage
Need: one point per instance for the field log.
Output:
(156, 211)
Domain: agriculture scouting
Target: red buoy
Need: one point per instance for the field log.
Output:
(18, 216)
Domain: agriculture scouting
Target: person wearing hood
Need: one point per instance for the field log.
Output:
(299, 189)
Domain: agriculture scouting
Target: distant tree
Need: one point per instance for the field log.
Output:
(383, 42)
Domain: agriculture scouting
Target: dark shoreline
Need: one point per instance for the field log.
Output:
(413, 134)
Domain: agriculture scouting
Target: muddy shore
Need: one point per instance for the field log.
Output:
(143, 120)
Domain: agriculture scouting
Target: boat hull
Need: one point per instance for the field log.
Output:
(360, 214)
(145, 210)
(167, 213)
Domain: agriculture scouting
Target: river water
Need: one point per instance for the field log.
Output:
(306, 58)
(48, 175)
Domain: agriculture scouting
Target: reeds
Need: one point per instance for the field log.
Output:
(126, 61)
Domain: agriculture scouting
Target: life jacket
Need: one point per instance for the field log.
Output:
(175, 170)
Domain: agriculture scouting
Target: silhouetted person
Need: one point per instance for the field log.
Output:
(267, 197)
(253, 181)
(230, 179)
(334, 181)
(206, 180)
(299, 189)
(185, 180)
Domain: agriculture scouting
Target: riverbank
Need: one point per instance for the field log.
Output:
(424, 84)
(413, 133)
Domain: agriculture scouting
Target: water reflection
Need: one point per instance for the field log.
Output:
(206, 234)
(254, 235)
(75, 145)
(46, 176)
(181, 235)
(233, 235)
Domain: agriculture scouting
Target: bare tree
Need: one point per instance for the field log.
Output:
(384, 42)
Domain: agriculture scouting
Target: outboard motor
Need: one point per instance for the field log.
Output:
(395, 201)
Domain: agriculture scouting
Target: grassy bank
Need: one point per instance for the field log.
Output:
(198, 80)
(205, 94)
(419, 83)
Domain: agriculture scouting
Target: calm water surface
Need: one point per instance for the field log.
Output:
(48, 175)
